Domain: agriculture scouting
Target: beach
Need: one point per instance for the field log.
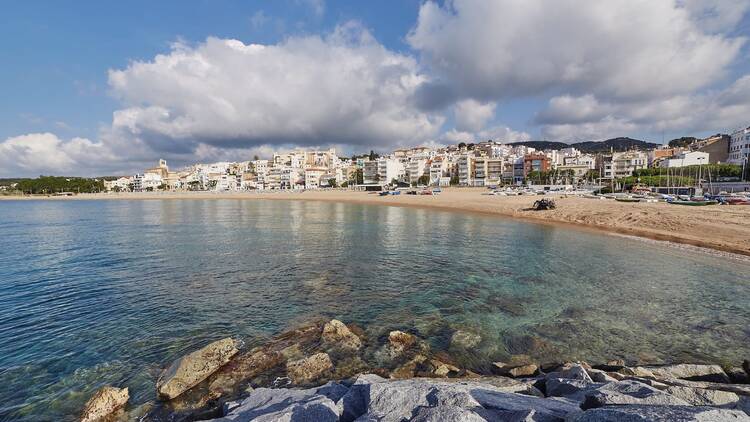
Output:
(722, 228)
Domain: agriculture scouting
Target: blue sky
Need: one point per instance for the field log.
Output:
(91, 87)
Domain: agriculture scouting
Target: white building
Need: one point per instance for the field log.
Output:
(121, 184)
(739, 147)
(686, 159)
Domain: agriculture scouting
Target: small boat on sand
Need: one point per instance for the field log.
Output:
(627, 199)
(693, 203)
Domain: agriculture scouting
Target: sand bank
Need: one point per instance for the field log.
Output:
(724, 228)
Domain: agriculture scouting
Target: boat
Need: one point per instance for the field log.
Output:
(693, 203)
(384, 193)
(395, 192)
(626, 199)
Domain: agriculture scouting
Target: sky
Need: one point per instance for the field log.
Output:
(104, 88)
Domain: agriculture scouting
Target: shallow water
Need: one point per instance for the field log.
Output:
(98, 292)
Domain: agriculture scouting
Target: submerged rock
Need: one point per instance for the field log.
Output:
(399, 342)
(186, 372)
(309, 369)
(337, 334)
(104, 402)
(465, 340)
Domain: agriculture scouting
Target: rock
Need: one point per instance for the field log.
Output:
(659, 413)
(442, 369)
(336, 334)
(315, 404)
(186, 372)
(616, 362)
(399, 342)
(409, 369)
(465, 340)
(446, 414)
(628, 392)
(569, 388)
(601, 376)
(746, 366)
(703, 397)
(104, 402)
(571, 371)
(309, 369)
(516, 371)
(740, 389)
(738, 375)
(397, 400)
(692, 372)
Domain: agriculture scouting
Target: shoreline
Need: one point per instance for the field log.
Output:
(716, 228)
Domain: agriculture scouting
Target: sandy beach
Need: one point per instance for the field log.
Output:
(724, 228)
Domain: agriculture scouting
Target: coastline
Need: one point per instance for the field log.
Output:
(719, 228)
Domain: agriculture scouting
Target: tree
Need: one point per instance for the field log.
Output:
(423, 180)
(372, 155)
(332, 183)
(454, 181)
(256, 158)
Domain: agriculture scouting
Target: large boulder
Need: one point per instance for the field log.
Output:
(104, 402)
(188, 371)
(628, 392)
(659, 413)
(309, 369)
(569, 388)
(704, 397)
(574, 371)
(397, 400)
(687, 371)
(515, 370)
(315, 404)
(337, 334)
(446, 414)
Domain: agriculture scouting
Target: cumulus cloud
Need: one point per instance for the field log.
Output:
(570, 118)
(45, 153)
(343, 88)
(624, 49)
(471, 115)
(502, 134)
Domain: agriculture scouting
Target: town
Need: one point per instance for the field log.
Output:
(485, 163)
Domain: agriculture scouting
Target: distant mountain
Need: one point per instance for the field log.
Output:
(615, 144)
(682, 142)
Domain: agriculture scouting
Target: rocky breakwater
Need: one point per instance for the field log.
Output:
(395, 376)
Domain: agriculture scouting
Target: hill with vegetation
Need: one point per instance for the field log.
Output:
(614, 144)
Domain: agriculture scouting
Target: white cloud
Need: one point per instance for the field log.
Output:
(343, 88)
(624, 49)
(318, 7)
(45, 153)
(471, 115)
(571, 118)
(502, 134)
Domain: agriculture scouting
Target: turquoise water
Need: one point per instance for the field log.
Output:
(98, 292)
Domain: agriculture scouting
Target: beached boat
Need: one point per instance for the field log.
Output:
(626, 199)
(384, 193)
(694, 203)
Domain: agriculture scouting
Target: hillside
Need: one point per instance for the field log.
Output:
(616, 144)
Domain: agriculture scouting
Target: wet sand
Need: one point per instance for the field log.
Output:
(723, 228)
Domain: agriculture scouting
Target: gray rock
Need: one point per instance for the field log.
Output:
(517, 416)
(693, 372)
(570, 388)
(659, 413)
(703, 397)
(188, 371)
(571, 371)
(269, 404)
(397, 400)
(628, 392)
(740, 389)
(600, 376)
(516, 371)
(446, 414)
